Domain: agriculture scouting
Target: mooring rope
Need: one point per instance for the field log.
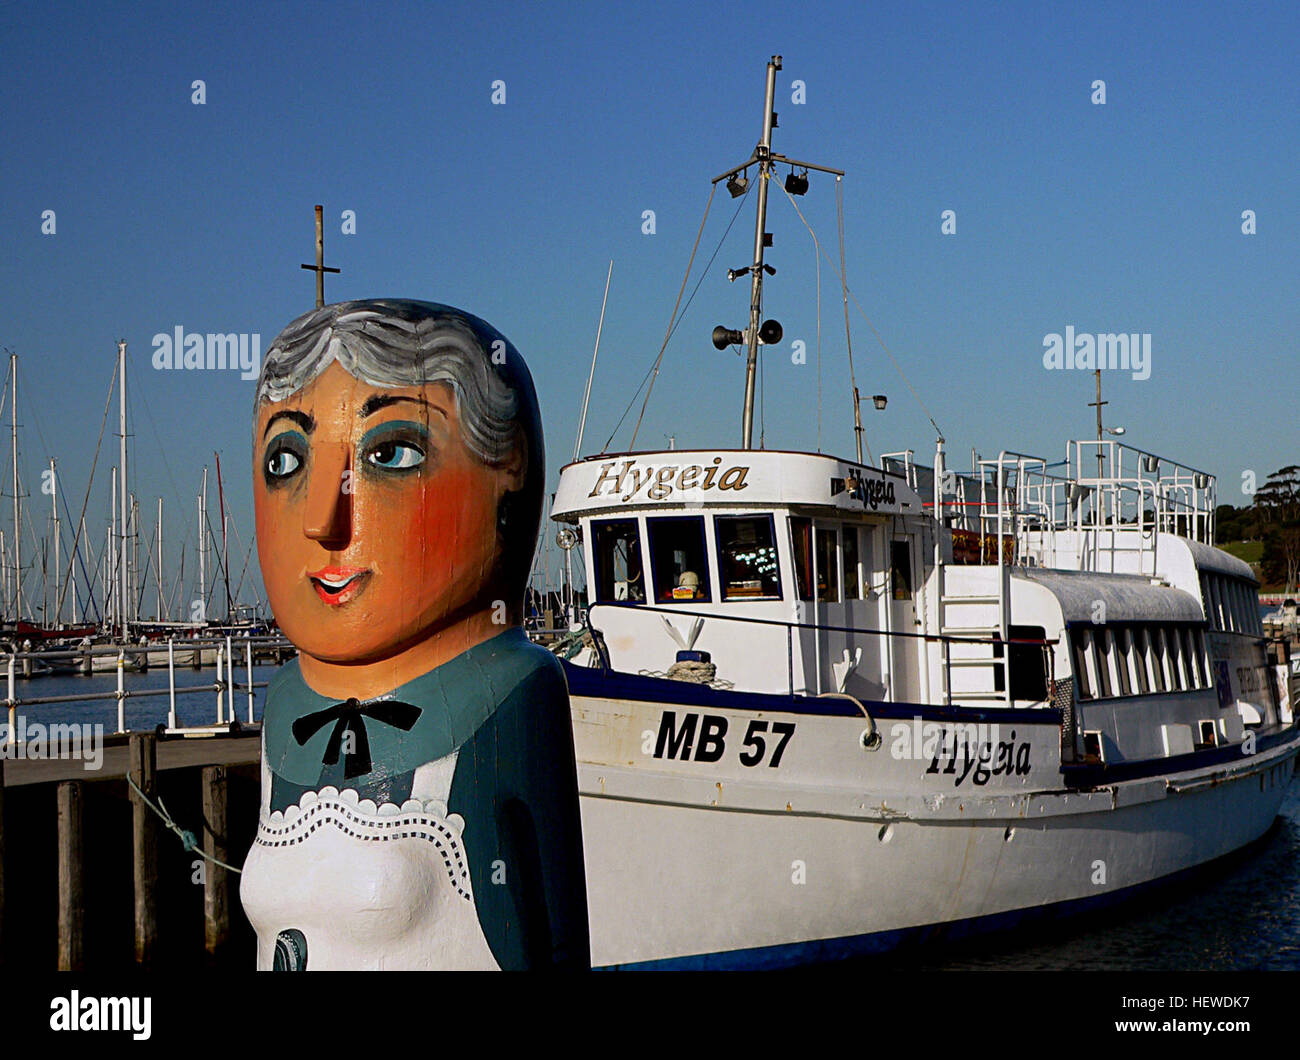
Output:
(188, 839)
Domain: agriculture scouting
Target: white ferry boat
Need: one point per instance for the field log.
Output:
(831, 708)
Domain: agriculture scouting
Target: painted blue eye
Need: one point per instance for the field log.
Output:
(282, 463)
(285, 454)
(393, 455)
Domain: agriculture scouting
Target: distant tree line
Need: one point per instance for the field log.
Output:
(1273, 519)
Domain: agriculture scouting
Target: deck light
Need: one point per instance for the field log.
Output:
(738, 185)
(797, 183)
(880, 400)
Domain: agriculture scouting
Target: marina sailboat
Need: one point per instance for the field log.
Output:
(828, 708)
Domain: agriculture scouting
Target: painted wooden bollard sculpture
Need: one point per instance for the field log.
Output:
(419, 795)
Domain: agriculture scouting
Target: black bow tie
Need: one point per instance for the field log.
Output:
(350, 717)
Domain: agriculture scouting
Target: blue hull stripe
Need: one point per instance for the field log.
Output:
(613, 684)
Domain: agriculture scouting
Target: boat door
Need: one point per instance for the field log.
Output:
(858, 549)
(833, 645)
(903, 571)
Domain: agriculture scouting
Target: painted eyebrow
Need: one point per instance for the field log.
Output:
(381, 401)
(300, 418)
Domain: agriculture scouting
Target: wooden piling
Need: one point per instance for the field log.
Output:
(72, 906)
(2, 861)
(216, 880)
(143, 770)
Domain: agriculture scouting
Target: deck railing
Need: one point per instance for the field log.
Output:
(945, 641)
(225, 686)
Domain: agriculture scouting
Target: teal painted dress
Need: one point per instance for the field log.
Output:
(436, 826)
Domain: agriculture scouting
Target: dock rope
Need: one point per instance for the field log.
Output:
(187, 838)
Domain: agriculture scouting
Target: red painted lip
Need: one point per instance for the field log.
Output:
(338, 585)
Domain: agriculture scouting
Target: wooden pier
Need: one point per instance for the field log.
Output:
(91, 877)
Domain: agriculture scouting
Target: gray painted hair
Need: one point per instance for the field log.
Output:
(386, 344)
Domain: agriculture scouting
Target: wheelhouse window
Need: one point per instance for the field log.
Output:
(828, 565)
(679, 559)
(747, 563)
(801, 548)
(616, 548)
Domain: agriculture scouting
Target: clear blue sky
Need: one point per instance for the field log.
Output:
(1124, 217)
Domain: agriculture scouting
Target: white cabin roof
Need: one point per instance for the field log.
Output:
(749, 478)
(1126, 598)
(1207, 557)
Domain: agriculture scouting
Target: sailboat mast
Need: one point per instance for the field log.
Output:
(763, 153)
(225, 552)
(158, 569)
(54, 499)
(134, 605)
(90, 588)
(122, 495)
(111, 594)
(203, 545)
(18, 564)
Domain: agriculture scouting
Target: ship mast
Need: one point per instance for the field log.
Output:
(763, 153)
(767, 332)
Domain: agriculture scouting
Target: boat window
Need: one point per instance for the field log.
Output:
(1156, 636)
(900, 556)
(747, 564)
(1123, 652)
(852, 576)
(1202, 664)
(1140, 672)
(1216, 591)
(1189, 658)
(1028, 663)
(1083, 683)
(1249, 607)
(828, 565)
(616, 547)
(1105, 683)
(679, 559)
(801, 547)
(1176, 672)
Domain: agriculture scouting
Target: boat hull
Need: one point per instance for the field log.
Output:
(840, 850)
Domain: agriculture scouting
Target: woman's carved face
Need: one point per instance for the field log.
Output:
(376, 525)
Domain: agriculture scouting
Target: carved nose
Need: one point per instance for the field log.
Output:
(328, 515)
